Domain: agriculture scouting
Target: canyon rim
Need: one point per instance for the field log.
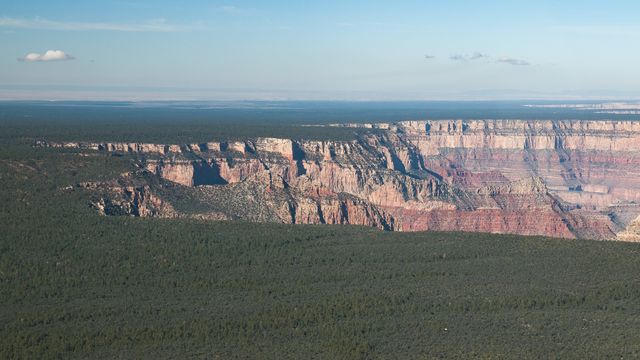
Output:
(560, 178)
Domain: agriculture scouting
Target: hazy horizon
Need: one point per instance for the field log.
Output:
(286, 50)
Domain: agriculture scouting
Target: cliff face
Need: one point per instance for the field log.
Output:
(593, 163)
(557, 178)
(632, 231)
(115, 198)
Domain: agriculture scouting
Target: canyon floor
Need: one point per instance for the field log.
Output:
(164, 278)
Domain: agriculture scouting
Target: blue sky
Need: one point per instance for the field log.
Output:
(345, 50)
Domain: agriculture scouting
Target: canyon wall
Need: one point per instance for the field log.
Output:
(555, 178)
(591, 163)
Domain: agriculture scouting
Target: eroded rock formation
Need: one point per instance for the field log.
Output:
(556, 178)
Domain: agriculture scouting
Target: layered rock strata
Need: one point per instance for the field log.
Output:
(555, 178)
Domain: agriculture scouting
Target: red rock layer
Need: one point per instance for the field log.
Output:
(556, 178)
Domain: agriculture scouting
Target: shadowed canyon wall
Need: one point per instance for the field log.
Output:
(557, 178)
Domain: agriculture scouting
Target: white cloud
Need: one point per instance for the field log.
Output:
(155, 25)
(512, 61)
(479, 55)
(465, 57)
(50, 55)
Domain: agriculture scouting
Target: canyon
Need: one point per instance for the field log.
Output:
(559, 178)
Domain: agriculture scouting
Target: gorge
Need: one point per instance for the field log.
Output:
(560, 178)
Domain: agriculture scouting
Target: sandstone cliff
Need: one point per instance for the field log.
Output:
(556, 178)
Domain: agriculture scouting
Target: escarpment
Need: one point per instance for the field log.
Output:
(556, 178)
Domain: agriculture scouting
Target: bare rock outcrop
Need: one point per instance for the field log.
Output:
(131, 201)
(631, 232)
(556, 178)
